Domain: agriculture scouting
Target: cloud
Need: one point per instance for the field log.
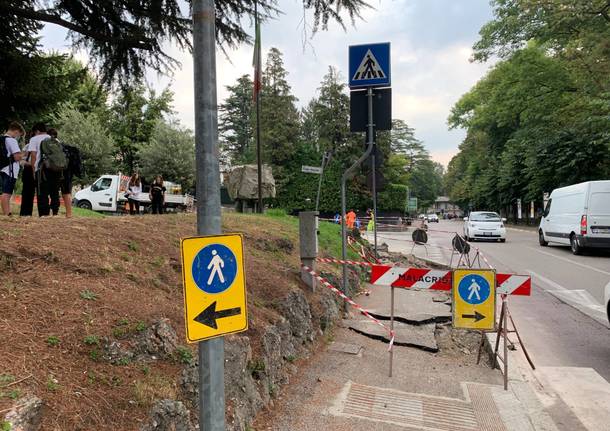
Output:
(430, 39)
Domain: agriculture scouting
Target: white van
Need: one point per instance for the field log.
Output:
(578, 216)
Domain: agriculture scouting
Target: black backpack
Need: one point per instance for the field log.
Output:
(75, 161)
(5, 159)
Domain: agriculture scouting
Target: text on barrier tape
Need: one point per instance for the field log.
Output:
(419, 278)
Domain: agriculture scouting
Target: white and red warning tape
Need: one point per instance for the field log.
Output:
(358, 307)
(346, 262)
(418, 278)
(511, 284)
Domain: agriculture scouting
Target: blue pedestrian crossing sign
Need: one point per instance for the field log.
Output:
(474, 298)
(214, 286)
(369, 65)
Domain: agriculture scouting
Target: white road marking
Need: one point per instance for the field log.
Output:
(578, 298)
(601, 271)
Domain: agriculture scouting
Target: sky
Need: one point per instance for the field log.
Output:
(431, 43)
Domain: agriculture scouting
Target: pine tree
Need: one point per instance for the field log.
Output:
(236, 120)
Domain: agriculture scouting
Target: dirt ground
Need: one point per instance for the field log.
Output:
(66, 284)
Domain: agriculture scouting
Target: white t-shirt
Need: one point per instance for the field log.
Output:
(12, 147)
(34, 146)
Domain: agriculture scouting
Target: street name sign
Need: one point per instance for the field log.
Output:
(474, 298)
(311, 169)
(369, 65)
(214, 284)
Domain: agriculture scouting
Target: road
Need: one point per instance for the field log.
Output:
(564, 322)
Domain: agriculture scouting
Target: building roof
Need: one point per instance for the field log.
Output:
(442, 199)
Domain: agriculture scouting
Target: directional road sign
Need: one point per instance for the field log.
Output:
(311, 169)
(369, 65)
(474, 298)
(214, 286)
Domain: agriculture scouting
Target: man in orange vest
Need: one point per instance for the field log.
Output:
(350, 218)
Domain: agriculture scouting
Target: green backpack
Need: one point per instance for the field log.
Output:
(53, 157)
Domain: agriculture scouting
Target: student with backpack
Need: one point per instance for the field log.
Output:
(67, 175)
(10, 155)
(157, 195)
(134, 188)
(52, 162)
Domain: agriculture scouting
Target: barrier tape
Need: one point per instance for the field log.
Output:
(362, 310)
(346, 262)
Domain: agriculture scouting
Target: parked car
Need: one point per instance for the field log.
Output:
(423, 217)
(484, 225)
(432, 218)
(578, 216)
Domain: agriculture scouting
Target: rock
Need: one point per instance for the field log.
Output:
(273, 359)
(296, 309)
(169, 415)
(158, 340)
(26, 415)
(329, 310)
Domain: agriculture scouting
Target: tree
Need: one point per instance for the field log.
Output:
(134, 115)
(236, 123)
(126, 37)
(280, 121)
(171, 153)
(404, 142)
(86, 132)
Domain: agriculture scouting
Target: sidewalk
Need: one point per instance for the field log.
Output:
(346, 386)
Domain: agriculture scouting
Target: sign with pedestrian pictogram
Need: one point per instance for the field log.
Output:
(369, 65)
(474, 298)
(214, 286)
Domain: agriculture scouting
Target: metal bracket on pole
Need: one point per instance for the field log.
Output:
(325, 161)
(348, 174)
(211, 352)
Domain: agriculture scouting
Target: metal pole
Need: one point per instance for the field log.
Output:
(505, 335)
(349, 173)
(258, 120)
(211, 352)
(373, 159)
(392, 327)
(325, 160)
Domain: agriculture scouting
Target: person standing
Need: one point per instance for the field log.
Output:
(350, 218)
(39, 132)
(10, 171)
(65, 185)
(134, 188)
(28, 179)
(157, 195)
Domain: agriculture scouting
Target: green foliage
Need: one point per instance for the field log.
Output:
(236, 123)
(133, 246)
(140, 326)
(5, 426)
(88, 295)
(256, 367)
(52, 384)
(88, 133)
(134, 115)
(53, 340)
(170, 153)
(183, 355)
(91, 340)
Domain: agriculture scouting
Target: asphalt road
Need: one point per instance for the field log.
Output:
(564, 322)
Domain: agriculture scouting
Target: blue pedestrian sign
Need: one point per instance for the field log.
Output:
(474, 289)
(369, 65)
(214, 268)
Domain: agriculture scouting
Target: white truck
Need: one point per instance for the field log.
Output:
(107, 194)
(578, 216)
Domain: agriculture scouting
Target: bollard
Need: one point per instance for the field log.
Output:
(308, 240)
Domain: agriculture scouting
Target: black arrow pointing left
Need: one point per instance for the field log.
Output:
(476, 316)
(209, 316)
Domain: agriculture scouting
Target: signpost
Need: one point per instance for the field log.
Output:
(214, 286)
(474, 298)
(369, 67)
(311, 169)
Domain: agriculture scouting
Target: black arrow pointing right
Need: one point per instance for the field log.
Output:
(208, 316)
(476, 316)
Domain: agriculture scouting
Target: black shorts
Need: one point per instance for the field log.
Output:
(66, 184)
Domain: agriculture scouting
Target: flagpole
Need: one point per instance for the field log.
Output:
(258, 109)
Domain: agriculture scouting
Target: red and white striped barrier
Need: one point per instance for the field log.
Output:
(339, 261)
(511, 284)
(419, 278)
(358, 307)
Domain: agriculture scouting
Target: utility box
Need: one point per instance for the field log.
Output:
(308, 244)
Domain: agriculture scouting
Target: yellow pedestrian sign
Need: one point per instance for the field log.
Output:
(474, 298)
(214, 286)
